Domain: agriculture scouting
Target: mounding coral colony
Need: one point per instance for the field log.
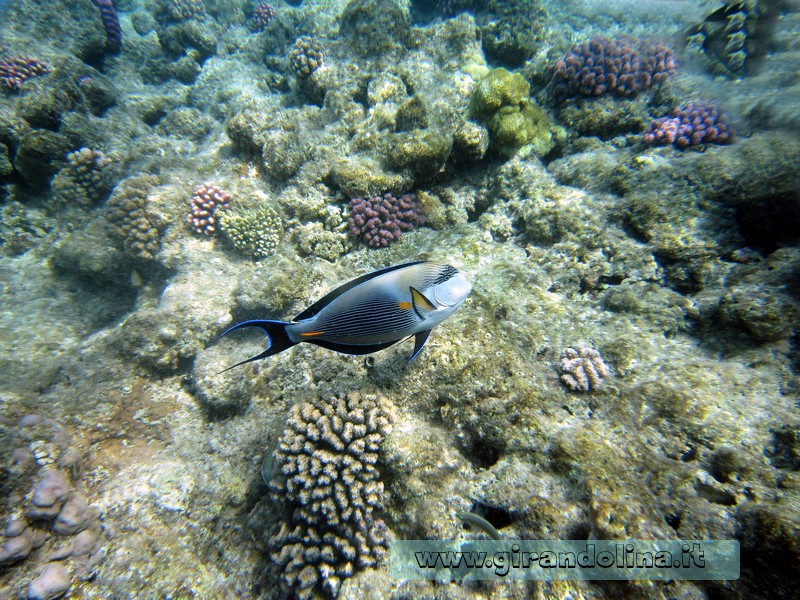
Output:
(595, 204)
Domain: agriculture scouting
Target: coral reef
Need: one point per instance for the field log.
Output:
(261, 16)
(15, 70)
(326, 476)
(582, 368)
(130, 222)
(256, 233)
(604, 65)
(85, 180)
(207, 199)
(49, 520)
(692, 124)
(380, 220)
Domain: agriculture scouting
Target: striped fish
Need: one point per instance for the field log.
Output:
(372, 312)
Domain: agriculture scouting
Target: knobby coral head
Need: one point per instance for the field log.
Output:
(381, 220)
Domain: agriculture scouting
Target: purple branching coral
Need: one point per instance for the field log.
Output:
(14, 71)
(262, 14)
(603, 65)
(111, 24)
(206, 200)
(691, 125)
(380, 220)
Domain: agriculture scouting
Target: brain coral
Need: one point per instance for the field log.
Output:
(326, 474)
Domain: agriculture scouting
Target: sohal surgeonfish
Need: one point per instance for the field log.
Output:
(372, 312)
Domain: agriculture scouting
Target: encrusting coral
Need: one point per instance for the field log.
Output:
(325, 472)
(48, 518)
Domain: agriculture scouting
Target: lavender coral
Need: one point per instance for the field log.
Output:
(380, 220)
(108, 13)
(603, 65)
(582, 368)
(206, 200)
(691, 125)
(16, 70)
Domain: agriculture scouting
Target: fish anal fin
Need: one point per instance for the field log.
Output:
(419, 343)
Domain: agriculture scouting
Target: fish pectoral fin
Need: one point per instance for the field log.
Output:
(420, 302)
(419, 343)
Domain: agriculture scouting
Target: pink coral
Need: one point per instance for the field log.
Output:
(380, 220)
(206, 200)
(16, 70)
(603, 65)
(690, 125)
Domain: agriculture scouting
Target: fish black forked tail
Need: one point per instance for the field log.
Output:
(276, 332)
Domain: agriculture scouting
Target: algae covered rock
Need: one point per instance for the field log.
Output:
(424, 152)
(6, 168)
(374, 26)
(502, 101)
(363, 176)
(40, 154)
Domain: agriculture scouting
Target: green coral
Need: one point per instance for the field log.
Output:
(502, 101)
(256, 233)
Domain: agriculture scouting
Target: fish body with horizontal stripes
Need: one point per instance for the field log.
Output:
(372, 312)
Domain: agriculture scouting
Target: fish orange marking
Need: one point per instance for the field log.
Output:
(404, 305)
(310, 333)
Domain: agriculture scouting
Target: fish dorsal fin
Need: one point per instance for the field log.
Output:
(332, 295)
(421, 304)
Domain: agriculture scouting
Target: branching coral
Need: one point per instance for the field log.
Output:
(256, 233)
(327, 476)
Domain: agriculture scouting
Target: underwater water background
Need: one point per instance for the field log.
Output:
(618, 180)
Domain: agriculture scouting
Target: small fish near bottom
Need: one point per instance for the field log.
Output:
(372, 312)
